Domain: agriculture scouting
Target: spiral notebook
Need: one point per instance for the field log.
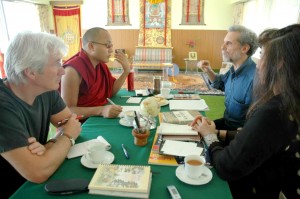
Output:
(132, 181)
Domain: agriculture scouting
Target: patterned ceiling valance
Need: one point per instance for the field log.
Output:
(192, 12)
(155, 1)
(117, 13)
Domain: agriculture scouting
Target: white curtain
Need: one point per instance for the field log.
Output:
(262, 14)
(16, 16)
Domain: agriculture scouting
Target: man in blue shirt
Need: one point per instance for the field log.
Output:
(239, 45)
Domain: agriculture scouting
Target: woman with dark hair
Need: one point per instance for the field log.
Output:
(264, 157)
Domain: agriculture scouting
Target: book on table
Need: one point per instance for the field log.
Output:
(186, 97)
(157, 159)
(179, 117)
(176, 129)
(133, 181)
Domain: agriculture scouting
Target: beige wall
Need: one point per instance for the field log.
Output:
(209, 44)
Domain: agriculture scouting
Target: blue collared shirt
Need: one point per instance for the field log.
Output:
(238, 92)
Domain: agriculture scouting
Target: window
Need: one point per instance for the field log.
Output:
(27, 19)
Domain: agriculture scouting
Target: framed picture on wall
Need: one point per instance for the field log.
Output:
(192, 55)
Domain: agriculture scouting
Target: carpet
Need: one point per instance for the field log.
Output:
(185, 82)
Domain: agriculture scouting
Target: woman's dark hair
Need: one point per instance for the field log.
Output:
(266, 36)
(279, 71)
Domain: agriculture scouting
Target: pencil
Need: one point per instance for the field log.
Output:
(79, 117)
(110, 101)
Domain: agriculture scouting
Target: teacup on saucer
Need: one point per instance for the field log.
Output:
(203, 179)
(108, 158)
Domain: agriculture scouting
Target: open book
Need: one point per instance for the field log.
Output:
(179, 117)
(132, 181)
(176, 129)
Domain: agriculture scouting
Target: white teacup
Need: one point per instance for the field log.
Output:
(194, 166)
(96, 152)
(167, 84)
(129, 116)
(165, 92)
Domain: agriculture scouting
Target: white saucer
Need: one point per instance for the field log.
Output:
(108, 159)
(203, 179)
(124, 122)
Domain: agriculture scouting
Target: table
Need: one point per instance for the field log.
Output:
(116, 134)
(189, 64)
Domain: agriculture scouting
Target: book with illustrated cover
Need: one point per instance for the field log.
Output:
(179, 117)
(186, 97)
(156, 143)
(133, 181)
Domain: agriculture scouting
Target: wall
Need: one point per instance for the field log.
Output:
(208, 44)
(209, 37)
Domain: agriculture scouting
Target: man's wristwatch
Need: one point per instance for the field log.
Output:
(72, 140)
(61, 133)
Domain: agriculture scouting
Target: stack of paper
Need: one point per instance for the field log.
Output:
(180, 148)
(199, 105)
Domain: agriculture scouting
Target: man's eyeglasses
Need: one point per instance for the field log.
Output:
(107, 45)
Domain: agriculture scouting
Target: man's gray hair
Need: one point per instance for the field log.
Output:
(29, 50)
(247, 36)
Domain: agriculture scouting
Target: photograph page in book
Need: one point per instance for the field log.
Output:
(179, 117)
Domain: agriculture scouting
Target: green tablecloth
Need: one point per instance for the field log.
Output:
(116, 134)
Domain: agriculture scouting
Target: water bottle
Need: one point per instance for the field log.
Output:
(130, 79)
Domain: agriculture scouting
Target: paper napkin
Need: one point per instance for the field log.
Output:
(134, 100)
(81, 148)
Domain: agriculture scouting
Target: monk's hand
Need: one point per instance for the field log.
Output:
(123, 60)
(111, 111)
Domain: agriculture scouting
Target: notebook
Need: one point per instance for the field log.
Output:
(176, 129)
(132, 181)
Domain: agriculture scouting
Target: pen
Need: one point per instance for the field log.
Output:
(125, 151)
(67, 119)
(137, 121)
(110, 101)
